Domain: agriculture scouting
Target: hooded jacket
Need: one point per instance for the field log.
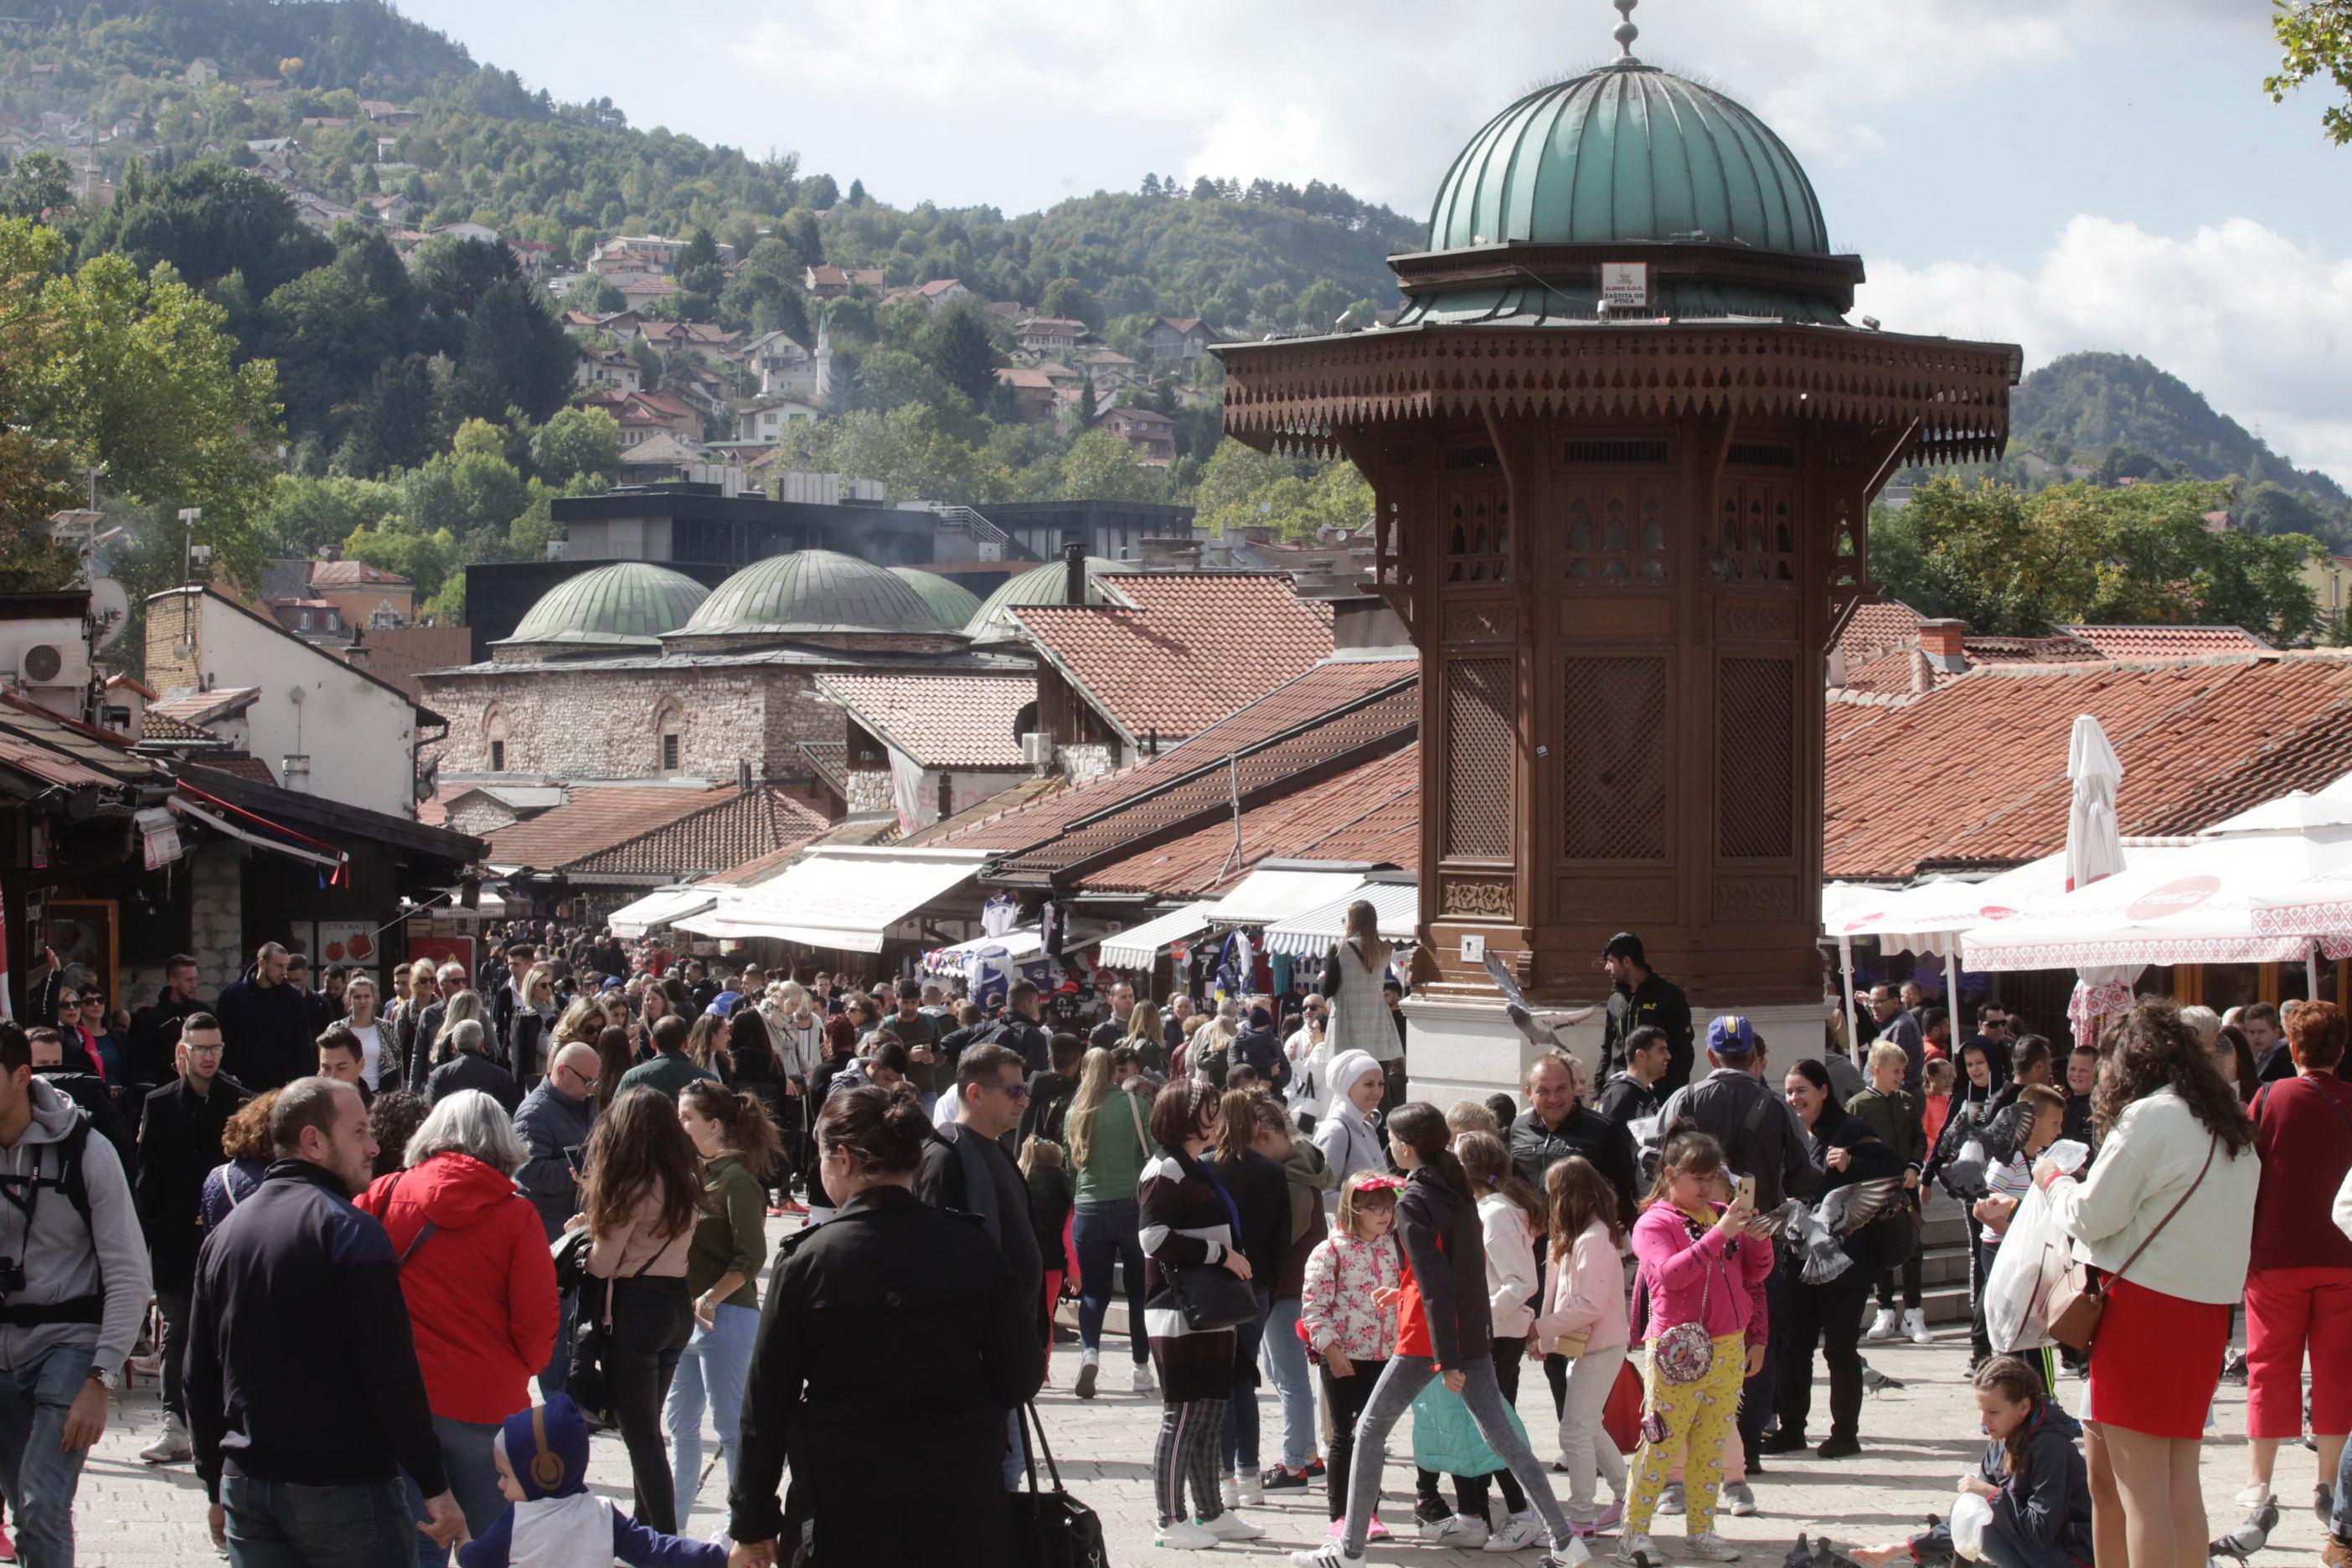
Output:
(560, 1523)
(268, 1031)
(65, 1259)
(480, 1289)
(1443, 1313)
(2048, 1510)
(1348, 1140)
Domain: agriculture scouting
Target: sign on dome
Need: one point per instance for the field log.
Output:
(1624, 283)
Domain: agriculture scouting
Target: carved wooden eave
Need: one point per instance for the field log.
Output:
(1303, 393)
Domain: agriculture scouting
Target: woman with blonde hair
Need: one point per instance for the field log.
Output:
(1104, 1133)
(527, 1046)
(1146, 1039)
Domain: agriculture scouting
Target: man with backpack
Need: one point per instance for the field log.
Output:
(73, 1294)
(1019, 1030)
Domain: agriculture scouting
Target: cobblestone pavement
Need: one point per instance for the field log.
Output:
(1916, 1442)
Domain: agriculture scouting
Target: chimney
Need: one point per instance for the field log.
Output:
(1941, 642)
(1922, 675)
(743, 775)
(1074, 573)
(1366, 620)
(947, 794)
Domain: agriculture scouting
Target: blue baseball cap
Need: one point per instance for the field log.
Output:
(1730, 1035)
(723, 1004)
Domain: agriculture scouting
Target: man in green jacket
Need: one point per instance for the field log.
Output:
(671, 1069)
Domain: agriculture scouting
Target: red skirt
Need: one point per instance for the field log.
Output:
(2157, 1361)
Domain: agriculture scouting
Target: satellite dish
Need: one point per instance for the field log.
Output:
(110, 608)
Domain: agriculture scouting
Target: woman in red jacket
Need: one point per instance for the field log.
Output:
(480, 1288)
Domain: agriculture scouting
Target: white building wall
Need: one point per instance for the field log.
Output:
(360, 736)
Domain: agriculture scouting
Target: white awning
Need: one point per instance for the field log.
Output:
(660, 907)
(1314, 932)
(1270, 894)
(1138, 947)
(843, 898)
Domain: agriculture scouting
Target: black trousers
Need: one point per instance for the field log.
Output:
(1979, 1342)
(1910, 1280)
(1829, 1316)
(174, 1306)
(1757, 1400)
(652, 1321)
(1344, 1398)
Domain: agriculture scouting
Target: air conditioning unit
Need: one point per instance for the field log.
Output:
(53, 664)
(1037, 749)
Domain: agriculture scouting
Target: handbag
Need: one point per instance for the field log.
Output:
(1052, 1529)
(1211, 1296)
(2073, 1314)
(1685, 1352)
(1621, 1417)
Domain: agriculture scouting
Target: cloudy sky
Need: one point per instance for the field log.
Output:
(2067, 174)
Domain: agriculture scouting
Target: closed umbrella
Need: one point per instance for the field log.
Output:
(2094, 849)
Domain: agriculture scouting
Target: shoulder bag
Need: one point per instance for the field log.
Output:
(1210, 1294)
(1685, 1352)
(1052, 1529)
(2072, 1313)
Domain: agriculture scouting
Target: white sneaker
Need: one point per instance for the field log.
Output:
(1253, 1489)
(1229, 1492)
(1671, 1499)
(1474, 1535)
(1450, 1530)
(1140, 1381)
(1915, 1326)
(1574, 1556)
(1330, 1555)
(1710, 1547)
(1882, 1326)
(1519, 1532)
(1633, 1543)
(1738, 1499)
(1185, 1536)
(173, 1447)
(1231, 1526)
(2253, 1495)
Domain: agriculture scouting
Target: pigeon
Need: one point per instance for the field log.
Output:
(2252, 1535)
(1515, 1008)
(1876, 1381)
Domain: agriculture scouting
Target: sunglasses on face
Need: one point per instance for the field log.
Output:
(1015, 1092)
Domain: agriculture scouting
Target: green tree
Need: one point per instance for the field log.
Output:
(40, 184)
(452, 275)
(2316, 39)
(515, 356)
(1067, 299)
(331, 329)
(1098, 466)
(577, 441)
(33, 469)
(303, 514)
(208, 221)
(396, 425)
(957, 345)
(138, 373)
(592, 296)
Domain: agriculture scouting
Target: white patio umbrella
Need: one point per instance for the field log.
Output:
(2095, 850)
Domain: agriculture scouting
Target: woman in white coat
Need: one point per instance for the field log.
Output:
(1349, 1139)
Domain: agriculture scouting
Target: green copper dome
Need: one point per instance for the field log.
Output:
(627, 604)
(1043, 584)
(810, 591)
(951, 603)
(1627, 153)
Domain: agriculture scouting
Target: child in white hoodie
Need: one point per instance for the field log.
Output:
(1583, 1317)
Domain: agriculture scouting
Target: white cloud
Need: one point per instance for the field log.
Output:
(1374, 96)
(2260, 325)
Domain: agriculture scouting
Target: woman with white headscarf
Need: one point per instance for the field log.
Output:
(1349, 1139)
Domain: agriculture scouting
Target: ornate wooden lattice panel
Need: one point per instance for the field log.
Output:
(1613, 758)
(1754, 731)
(1614, 534)
(1478, 728)
(1476, 515)
(1756, 532)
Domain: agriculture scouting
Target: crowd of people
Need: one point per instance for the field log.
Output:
(405, 1252)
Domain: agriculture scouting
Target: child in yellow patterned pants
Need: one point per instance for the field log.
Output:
(1698, 1417)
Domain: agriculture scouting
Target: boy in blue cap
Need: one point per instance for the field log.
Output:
(551, 1519)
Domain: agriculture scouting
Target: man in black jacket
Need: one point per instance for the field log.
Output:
(1557, 1124)
(86, 1090)
(268, 1025)
(1643, 997)
(1632, 1094)
(179, 1143)
(471, 1068)
(1020, 1031)
(155, 1030)
(304, 1396)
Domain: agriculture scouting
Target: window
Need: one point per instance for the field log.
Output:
(495, 735)
(670, 753)
(498, 756)
(669, 724)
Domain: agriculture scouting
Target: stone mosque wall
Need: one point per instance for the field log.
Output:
(610, 724)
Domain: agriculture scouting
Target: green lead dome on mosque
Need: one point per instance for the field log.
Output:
(629, 604)
(810, 591)
(951, 603)
(1046, 585)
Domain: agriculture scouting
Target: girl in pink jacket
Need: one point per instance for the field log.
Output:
(1348, 1316)
(1706, 1292)
(1583, 1317)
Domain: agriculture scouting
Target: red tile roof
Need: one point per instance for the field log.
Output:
(1287, 713)
(347, 573)
(1975, 771)
(941, 720)
(252, 768)
(722, 834)
(1370, 811)
(2159, 642)
(595, 818)
(1192, 647)
(1873, 629)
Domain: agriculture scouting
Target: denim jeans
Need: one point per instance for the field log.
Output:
(473, 1482)
(1110, 1232)
(711, 1371)
(555, 1377)
(1407, 1376)
(275, 1524)
(1285, 1363)
(1238, 1446)
(2342, 1523)
(41, 1477)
